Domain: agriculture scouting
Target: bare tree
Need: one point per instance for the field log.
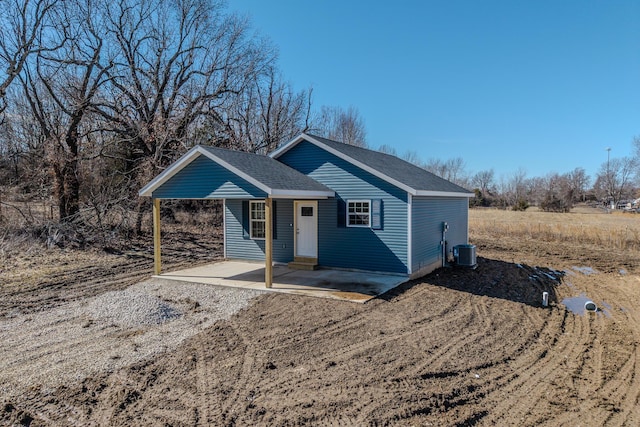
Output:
(60, 87)
(342, 125)
(175, 66)
(22, 145)
(110, 92)
(483, 180)
(616, 178)
(537, 189)
(436, 167)
(388, 149)
(514, 190)
(413, 157)
(452, 170)
(24, 28)
(266, 114)
(557, 193)
(579, 182)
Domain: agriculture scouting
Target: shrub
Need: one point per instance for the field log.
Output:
(520, 205)
(554, 204)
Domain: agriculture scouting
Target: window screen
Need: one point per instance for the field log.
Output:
(359, 213)
(258, 220)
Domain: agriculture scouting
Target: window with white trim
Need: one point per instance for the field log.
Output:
(257, 220)
(358, 213)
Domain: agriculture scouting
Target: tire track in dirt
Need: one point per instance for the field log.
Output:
(462, 389)
(293, 378)
(203, 385)
(352, 350)
(627, 412)
(336, 324)
(584, 377)
(344, 354)
(372, 344)
(35, 358)
(532, 373)
(296, 377)
(241, 390)
(463, 334)
(609, 399)
(495, 374)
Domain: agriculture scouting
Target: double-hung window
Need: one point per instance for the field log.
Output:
(257, 220)
(359, 213)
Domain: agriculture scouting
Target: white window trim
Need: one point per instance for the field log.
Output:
(368, 201)
(251, 220)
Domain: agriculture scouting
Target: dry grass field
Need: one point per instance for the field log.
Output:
(583, 226)
(456, 348)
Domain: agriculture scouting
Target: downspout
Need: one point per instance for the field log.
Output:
(443, 243)
(409, 234)
(224, 228)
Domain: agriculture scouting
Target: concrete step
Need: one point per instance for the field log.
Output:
(303, 263)
(302, 266)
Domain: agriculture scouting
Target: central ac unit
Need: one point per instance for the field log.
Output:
(465, 255)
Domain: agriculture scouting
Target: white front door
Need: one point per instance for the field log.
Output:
(306, 229)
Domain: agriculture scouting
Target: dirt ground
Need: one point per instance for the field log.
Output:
(458, 347)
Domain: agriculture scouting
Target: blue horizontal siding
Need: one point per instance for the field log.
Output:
(427, 216)
(205, 179)
(240, 248)
(354, 247)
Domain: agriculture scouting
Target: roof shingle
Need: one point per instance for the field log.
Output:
(270, 172)
(397, 169)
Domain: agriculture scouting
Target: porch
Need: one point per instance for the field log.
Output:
(354, 286)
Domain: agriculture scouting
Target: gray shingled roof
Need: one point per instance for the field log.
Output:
(393, 167)
(270, 172)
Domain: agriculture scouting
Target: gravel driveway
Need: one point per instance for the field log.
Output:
(103, 333)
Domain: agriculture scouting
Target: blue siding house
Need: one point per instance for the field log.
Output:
(317, 202)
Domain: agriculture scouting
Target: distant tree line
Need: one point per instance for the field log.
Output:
(618, 179)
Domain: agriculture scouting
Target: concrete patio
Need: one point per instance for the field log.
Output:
(336, 284)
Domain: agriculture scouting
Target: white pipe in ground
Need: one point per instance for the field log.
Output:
(545, 299)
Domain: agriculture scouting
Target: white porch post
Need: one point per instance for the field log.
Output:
(268, 246)
(156, 237)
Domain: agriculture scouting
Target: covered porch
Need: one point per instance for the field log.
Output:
(249, 185)
(354, 286)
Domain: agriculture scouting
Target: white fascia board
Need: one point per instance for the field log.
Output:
(361, 165)
(156, 182)
(286, 147)
(443, 194)
(302, 194)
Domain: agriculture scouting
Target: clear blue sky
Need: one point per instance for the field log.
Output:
(542, 85)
